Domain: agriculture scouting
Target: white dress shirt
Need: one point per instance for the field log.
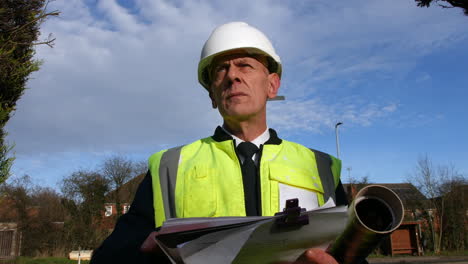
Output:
(260, 140)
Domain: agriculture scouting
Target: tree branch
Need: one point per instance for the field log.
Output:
(39, 20)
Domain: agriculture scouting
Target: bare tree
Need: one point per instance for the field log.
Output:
(437, 184)
(18, 191)
(355, 185)
(39, 214)
(140, 167)
(455, 216)
(85, 193)
(118, 170)
(428, 182)
(46, 232)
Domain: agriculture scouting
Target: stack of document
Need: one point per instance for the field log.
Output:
(248, 239)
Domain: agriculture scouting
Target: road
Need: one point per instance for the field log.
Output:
(420, 260)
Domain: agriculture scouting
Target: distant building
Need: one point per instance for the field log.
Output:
(10, 233)
(10, 241)
(126, 195)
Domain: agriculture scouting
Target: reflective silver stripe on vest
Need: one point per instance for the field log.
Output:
(324, 163)
(167, 179)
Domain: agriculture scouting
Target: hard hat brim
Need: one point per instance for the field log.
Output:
(203, 77)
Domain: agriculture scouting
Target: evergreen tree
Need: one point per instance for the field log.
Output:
(463, 4)
(19, 31)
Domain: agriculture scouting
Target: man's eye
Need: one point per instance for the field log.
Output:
(220, 68)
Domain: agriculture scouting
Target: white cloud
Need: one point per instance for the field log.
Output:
(416, 119)
(339, 40)
(120, 18)
(118, 77)
(316, 116)
(423, 77)
(390, 108)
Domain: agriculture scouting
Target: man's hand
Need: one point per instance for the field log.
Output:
(150, 246)
(315, 256)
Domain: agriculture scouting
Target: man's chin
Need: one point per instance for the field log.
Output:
(237, 115)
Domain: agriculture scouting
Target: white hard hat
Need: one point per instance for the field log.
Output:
(232, 36)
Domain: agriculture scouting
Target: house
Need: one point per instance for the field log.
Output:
(411, 197)
(126, 195)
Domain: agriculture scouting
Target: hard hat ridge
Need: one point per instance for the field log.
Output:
(232, 36)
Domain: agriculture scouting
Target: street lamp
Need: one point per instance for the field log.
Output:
(337, 140)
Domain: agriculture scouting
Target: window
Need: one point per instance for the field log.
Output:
(126, 208)
(108, 211)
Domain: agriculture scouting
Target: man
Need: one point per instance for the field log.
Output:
(244, 169)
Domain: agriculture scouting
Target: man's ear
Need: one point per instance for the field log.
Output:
(213, 102)
(274, 84)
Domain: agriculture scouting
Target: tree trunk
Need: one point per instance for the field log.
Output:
(441, 221)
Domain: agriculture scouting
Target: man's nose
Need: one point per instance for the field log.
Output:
(233, 73)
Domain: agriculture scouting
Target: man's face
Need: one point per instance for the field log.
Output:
(241, 85)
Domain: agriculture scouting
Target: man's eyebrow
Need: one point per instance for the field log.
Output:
(245, 59)
(222, 63)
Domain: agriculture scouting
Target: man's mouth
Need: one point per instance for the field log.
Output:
(234, 95)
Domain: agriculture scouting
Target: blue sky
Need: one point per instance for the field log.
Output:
(122, 79)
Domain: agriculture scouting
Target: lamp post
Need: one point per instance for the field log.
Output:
(337, 140)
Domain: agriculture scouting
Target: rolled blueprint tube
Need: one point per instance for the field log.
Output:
(374, 214)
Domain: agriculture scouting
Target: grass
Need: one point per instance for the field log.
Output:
(55, 260)
(448, 253)
(48, 260)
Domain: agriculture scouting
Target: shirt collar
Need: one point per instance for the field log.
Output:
(260, 140)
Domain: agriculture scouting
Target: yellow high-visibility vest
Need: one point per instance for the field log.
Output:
(204, 178)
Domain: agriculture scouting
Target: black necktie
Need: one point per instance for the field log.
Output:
(249, 177)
